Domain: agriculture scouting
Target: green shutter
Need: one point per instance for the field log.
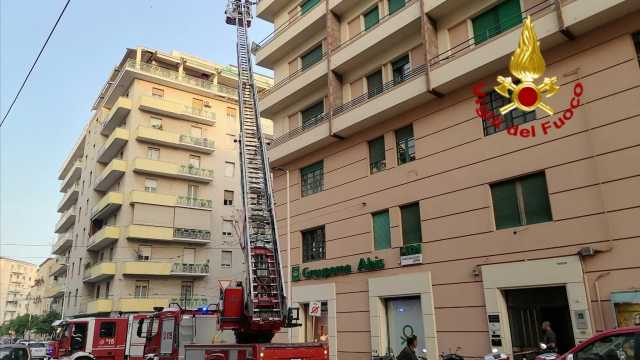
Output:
(401, 68)
(505, 205)
(404, 133)
(509, 15)
(485, 26)
(311, 57)
(371, 18)
(411, 228)
(405, 145)
(536, 199)
(307, 5)
(311, 114)
(381, 230)
(374, 83)
(377, 155)
(395, 5)
(312, 178)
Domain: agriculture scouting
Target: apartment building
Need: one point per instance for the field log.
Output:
(409, 214)
(16, 278)
(151, 188)
(46, 292)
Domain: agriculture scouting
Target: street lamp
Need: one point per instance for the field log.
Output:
(288, 247)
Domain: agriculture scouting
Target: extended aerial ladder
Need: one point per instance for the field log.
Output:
(263, 310)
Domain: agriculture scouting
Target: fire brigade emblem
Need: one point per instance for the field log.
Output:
(527, 64)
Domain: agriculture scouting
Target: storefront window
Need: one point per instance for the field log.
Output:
(316, 328)
(404, 318)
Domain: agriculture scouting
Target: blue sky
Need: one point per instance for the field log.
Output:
(54, 106)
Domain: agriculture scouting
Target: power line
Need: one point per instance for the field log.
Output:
(35, 62)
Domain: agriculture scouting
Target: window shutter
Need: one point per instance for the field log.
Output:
(395, 5)
(485, 26)
(411, 229)
(371, 18)
(310, 115)
(509, 15)
(311, 57)
(308, 5)
(404, 133)
(536, 199)
(374, 83)
(505, 205)
(381, 230)
(376, 150)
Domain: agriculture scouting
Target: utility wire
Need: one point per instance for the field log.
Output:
(35, 62)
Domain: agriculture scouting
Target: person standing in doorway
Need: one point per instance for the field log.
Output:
(549, 337)
(409, 352)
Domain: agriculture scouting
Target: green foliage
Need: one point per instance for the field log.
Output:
(39, 324)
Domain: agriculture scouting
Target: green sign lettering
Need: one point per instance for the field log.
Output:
(364, 265)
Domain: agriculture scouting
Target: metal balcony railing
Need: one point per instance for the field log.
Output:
(198, 141)
(292, 76)
(194, 234)
(478, 39)
(190, 268)
(308, 125)
(190, 302)
(295, 17)
(191, 170)
(194, 202)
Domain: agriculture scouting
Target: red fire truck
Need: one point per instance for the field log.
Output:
(102, 338)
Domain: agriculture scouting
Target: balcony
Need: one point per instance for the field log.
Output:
(298, 85)
(146, 197)
(176, 110)
(111, 175)
(113, 146)
(300, 141)
(72, 176)
(168, 77)
(290, 35)
(55, 290)
(69, 198)
(387, 33)
(64, 243)
(134, 305)
(162, 168)
(153, 268)
(60, 269)
(267, 9)
(229, 76)
(167, 234)
(67, 220)
(100, 306)
(103, 238)
(376, 105)
(119, 112)
(99, 272)
(107, 206)
(181, 141)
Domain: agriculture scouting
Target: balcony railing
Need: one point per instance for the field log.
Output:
(183, 78)
(200, 112)
(282, 28)
(320, 119)
(194, 202)
(194, 234)
(190, 302)
(233, 72)
(190, 268)
(190, 170)
(386, 87)
(292, 76)
(198, 141)
(478, 39)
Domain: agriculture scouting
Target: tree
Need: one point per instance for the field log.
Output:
(43, 324)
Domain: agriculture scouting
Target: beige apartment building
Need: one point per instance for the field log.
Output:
(411, 215)
(16, 278)
(46, 292)
(151, 188)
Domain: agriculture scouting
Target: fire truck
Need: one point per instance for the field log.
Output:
(102, 338)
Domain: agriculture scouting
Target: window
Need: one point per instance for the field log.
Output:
(401, 69)
(494, 102)
(197, 104)
(312, 178)
(405, 145)
(227, 228)
(312, 115)
(377, 160)
(371, 18)
(316, 328)
(192, 191)
(79, 266)
(108, 329)
(404, 313)
(75, 299)
(313, 246)
(194, 161)
(395, 5)
(307, 5)
(153, 153)
(411, 225)
(186, 292)
(496, 20)
(381, 230)
(157, 92)
(228, 197)
(226, 259)
(141, 289)
(615, 347)
(374, 83)
(106, 290)
(144, 253)
(229, 169)
(311, 57)
(231, 117)
(196, 131)
(636, 41)
(155, 122)
(521, 201)
(188, 256)
(150, 185)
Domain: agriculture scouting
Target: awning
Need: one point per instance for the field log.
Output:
(619, 297)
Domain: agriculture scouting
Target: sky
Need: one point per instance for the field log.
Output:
(53, 108)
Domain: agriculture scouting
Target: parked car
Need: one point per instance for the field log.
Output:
(14, 352)
(615, 344)
(38, 349)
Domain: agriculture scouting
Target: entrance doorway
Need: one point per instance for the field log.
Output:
(528, 308)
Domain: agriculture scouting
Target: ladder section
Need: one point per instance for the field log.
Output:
(265, 293)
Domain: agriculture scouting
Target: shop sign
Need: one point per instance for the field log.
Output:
(364, 265)
(411, 255)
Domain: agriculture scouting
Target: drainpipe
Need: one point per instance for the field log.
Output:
(597, 286)
(563, 29)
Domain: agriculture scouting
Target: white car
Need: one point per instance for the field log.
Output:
(37, 349)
